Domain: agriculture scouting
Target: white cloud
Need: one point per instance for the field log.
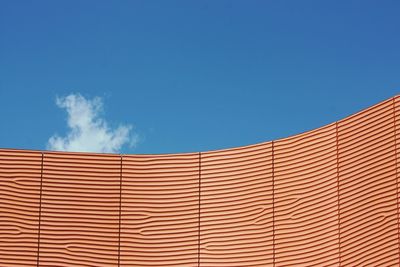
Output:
(89, 132)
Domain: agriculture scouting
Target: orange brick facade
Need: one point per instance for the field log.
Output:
(327, 197)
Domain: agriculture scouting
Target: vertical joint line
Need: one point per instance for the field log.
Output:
(273, 203)
(397, 176)
(338, 191)
(199, 213)
(40, 209)
(119, 216)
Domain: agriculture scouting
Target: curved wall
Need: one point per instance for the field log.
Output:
(327, 197)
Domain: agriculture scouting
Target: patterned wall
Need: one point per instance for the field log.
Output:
(327, 197)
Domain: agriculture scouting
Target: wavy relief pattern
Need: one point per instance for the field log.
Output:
(327, 197)
(306, 199)
(19, 207)
(160, 210)
(236, 227)
(368, 188)
(80, 210)
(396, 126)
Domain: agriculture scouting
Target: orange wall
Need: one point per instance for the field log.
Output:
(327, 197)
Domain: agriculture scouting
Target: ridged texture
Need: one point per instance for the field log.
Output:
(368, 188)
(306, 199)
(327, 197)
(19, 207)
(236, 207)
(80, 210)
(160, 208)
(396, 123)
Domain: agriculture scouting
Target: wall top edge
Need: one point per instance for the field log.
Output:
(244, 147)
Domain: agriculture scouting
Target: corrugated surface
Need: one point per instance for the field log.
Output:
(396, 122)
(160, 207)
(236, 207)
(306, 199)
(80, 210)
(368, 188)
(327, 197)
(19, 207)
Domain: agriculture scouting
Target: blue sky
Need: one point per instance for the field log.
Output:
(194, 75)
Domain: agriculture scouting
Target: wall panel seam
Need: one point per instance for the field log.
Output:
(338, 191)
(273, 203)
(199, 212)
(397, 177)
(120, 207)
(40, 208)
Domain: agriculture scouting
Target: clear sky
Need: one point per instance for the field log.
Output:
(194, 75)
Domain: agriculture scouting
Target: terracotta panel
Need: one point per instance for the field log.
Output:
(80, 210)
(236, 207)
(160, 210)
(19, 207)
(306, 199)
(396, 125)
(396, 122)
(368, 188)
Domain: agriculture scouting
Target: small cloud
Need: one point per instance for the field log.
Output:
(88, 132)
